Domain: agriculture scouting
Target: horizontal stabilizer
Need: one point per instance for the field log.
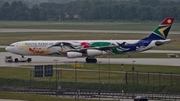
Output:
(159, 43)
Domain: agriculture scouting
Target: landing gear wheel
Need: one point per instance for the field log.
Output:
(29, 60)
(91, 60)
(94, 60)
(87, 60)
(16, 60)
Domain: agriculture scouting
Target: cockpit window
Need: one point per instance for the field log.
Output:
(12, 45)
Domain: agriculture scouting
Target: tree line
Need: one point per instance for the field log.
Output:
(91, 10)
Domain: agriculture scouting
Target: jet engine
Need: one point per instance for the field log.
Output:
(93, 52)
(73, 54)
(158, 43)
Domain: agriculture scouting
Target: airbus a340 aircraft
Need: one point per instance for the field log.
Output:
(93, 48)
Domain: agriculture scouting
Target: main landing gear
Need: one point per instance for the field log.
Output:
(91, 60)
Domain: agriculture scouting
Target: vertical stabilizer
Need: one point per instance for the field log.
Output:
(161, 32)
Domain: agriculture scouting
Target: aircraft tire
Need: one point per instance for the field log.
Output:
(94, 60)
(88, 60)
(29, 60)
(16, 60)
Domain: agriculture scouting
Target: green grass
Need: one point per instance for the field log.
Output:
(85, 76)
(138, 55)
(84, 25)
(35, 97)
(10, 76)
(2, 50)
(9, 72)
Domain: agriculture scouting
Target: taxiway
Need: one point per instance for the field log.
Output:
(46, 60)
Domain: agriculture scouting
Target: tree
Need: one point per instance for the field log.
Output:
(145, 12)
(1, 2)
(149, 2)
(5, 11)
(90, 10)
(35, 12)
(6, 5)
(42, 14)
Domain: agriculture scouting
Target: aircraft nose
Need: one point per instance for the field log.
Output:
(7, 49)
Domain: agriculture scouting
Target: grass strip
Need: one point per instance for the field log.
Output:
(148, 26)
(34, 97)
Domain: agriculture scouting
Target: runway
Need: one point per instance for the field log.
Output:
(10, 100)
(78, 31)
(162, 51)
(45, 60)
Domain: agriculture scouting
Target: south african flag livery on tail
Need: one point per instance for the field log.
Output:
(161, 32)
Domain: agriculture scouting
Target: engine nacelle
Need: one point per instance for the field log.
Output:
(158, 43)
(94, 52)
(73, 54)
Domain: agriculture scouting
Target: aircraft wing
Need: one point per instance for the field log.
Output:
(98, 48)
(171, 40)
(105, 47)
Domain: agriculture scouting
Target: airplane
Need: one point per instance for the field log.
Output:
(93, 48)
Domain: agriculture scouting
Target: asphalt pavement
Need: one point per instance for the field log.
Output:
(46, 60)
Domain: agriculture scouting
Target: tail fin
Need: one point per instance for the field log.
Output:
(161, 32)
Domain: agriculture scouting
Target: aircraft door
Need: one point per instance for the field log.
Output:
(140, 45)
(16, 45)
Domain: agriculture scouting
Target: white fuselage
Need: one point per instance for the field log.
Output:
(64, 46)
